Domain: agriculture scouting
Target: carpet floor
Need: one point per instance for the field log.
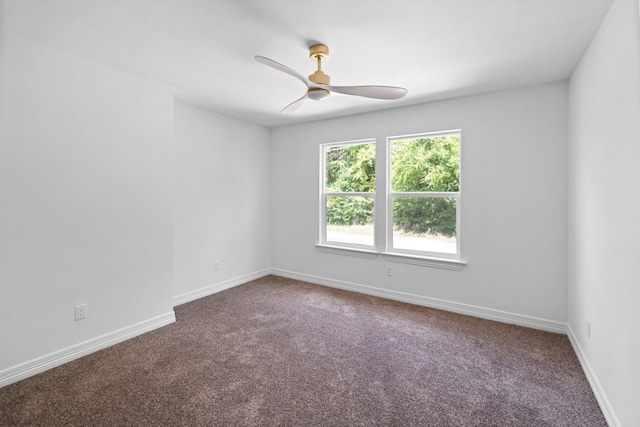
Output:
(280, 352)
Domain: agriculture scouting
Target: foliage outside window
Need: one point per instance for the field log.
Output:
(348, 193)
(422, 201)
(424, 196)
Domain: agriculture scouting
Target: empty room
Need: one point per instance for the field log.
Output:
(305, 213)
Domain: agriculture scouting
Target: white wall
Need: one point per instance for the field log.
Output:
(221, 202)
(514, 189)
(85, 202)
(87, 157)
(604, 211)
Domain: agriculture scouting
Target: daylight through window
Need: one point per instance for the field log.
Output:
(348, 193)
(424, 194)
(422, 211)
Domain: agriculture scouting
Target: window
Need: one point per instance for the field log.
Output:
(424, 194)
(348, 194)
(418, 214)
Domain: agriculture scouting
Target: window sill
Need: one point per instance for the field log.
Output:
(341, 250)
(447, 264)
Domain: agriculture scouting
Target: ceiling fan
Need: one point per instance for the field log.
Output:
(319, 84)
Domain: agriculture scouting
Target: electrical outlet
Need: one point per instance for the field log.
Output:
(389, 272)
(216, 264)
(81, 311)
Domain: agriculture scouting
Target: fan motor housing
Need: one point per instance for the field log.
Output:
(318, 94)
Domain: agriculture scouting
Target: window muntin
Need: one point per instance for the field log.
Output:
(348, 194)
(423, 200)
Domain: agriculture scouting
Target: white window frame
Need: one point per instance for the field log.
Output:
(332, 246)
(383, 234)
(390, 195)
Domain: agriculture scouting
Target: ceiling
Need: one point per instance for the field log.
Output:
(205, 49)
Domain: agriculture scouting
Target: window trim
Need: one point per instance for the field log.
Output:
(420, 258)
(415, 255)
(346, 250)
(425, 261)
(330, 245)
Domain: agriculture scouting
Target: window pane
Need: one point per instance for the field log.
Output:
(350, 219)
(351, 168)
(426, 164)
(425, 224)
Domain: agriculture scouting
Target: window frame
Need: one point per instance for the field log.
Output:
(390, 195)
(383, 233)
(366, 249)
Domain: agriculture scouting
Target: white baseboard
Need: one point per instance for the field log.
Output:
(57, 358)
(60, 357)
(605, 406)
(456, 307)
(217, 287)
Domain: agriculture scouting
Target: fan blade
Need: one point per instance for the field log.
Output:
(278, 66)
(294, 105)
(378, 92)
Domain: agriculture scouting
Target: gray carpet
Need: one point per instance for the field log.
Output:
(279, 352)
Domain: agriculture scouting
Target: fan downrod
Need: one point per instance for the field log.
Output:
(318, 53)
